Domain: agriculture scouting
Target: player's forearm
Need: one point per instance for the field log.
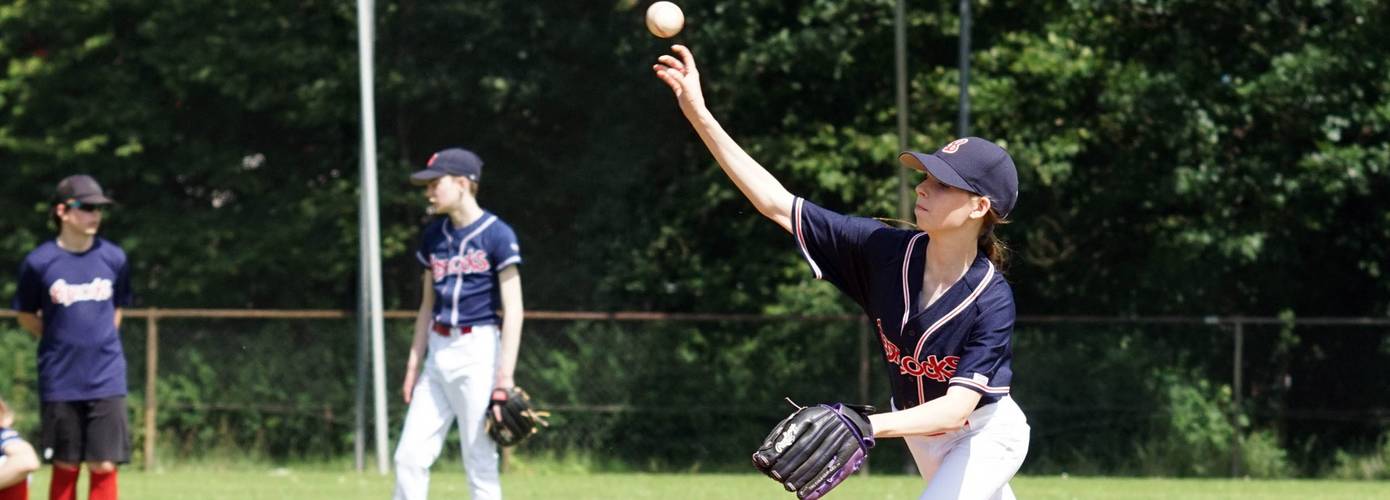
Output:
(511, 345)
(31, 323)
(947, 413)
(419, 340)
(757, 184)
(509, 280)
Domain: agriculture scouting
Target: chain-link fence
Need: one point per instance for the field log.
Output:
(1186, 396)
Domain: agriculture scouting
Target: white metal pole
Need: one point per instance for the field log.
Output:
(369, 195)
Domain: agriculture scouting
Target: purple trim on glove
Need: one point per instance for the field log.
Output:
(850, 467)
(865, 442)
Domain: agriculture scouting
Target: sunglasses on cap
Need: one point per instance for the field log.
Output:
(85, 207)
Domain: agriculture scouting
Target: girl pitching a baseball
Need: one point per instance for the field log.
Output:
(943, 311)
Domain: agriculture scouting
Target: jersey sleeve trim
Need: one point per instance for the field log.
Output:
(420, 256)
(800, 238)
(513, 260)
(978, 387)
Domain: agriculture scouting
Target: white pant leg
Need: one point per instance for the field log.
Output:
(468, 363)
(980, 462)
(474, 394)
(427, 422)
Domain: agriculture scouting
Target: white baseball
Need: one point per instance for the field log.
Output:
(665, 19)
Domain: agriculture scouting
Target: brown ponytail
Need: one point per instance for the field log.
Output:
(990, 244)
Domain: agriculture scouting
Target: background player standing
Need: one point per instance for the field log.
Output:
(17, 459)
(943, 309)
(70, 293)
(470, 258)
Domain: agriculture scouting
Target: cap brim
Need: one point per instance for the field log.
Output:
(425, 176)
(95, 199)
(935, 166)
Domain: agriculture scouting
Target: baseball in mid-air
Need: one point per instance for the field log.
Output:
(665, 19)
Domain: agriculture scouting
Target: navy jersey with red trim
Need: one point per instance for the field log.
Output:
(464, 263)
(962, 339)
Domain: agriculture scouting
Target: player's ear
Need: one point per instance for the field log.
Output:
(981, 206)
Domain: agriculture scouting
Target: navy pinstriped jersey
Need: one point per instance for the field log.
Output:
(464, 263)
(962, 339)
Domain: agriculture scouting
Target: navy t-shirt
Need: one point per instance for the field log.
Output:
(80, 356)
(961, 339)
(464, 263)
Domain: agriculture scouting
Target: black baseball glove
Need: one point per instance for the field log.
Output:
(816, 448)
(510, 417)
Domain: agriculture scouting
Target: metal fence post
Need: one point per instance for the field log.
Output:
(1237, 370)
(151, 374)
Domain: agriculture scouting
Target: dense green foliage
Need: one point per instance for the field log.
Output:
(1176, 157)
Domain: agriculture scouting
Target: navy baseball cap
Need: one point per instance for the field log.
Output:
(81, 188)
(972, 164)
(452, 161)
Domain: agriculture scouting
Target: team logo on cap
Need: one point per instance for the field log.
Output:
(432, 159)
(954, 146)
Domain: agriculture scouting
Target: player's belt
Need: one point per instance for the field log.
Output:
(443, 329)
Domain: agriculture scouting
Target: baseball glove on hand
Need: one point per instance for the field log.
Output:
(510, 418)
(816, 448)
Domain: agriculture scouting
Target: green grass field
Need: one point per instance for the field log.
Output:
(320, 483)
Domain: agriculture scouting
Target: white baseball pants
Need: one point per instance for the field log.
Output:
(976, 462)
(456, 385)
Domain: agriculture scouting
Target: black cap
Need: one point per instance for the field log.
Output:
(452, 161)
(82, 188)
(972, 164)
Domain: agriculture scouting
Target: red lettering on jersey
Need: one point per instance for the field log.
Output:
(474, 262)
(438, 268)
(930, 367)
(478, 261)
(890, 350)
